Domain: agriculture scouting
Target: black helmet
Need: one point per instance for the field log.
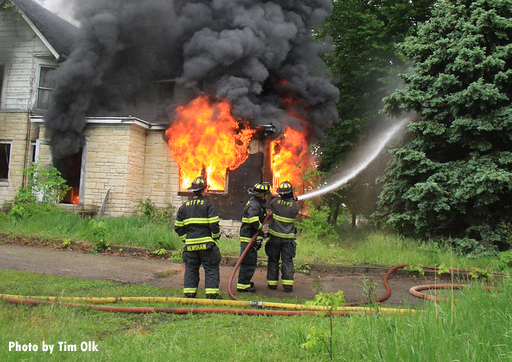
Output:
(259, 188)
(199, 183)
(284, 188)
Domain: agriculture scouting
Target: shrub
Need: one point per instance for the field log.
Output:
(315, 224)
(45, 189)
(505, 258)
(99, 231)
(155, 214)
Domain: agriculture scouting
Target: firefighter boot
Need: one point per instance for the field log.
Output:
(250, 289)
(213, 296)
(190, 295)
(288, 288)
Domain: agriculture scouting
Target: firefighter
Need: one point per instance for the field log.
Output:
(281, 244)
(197, 224)
(252, 222)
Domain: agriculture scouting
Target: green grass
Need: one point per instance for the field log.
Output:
(125, 230)
(379, 248)
(472, 325)
(362, 247)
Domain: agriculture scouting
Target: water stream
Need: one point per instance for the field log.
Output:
(375, 147)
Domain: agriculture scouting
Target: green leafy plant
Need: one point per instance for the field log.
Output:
(45, 189)
(99, 232)
(159, 252)
(370, 289)
(177, 255)
(66, 243)
(6, 4)
(505, 258)
(150, 212)
(302, 267)
(418, 268)
(443, 269)
(479, 274)
(316, 334)
(315, 225)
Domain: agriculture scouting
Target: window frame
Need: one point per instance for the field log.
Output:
(7, 142)
(44, 89)
(186, 192)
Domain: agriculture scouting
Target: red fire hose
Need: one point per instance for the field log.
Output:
(237, 265)
(296, 309)
(388, 289)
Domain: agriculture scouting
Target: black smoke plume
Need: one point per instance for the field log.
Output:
(253, 53)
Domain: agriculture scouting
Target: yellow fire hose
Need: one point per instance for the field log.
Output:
(231, 303)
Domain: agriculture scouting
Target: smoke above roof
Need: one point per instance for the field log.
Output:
(254, 54)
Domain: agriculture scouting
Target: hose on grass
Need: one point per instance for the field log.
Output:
(177, 310)
(262, 308)
(219, 302)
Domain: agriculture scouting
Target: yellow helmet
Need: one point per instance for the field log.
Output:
(199, 183)
(285, 187)
(259, 188)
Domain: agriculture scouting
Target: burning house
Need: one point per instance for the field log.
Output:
(152, 94)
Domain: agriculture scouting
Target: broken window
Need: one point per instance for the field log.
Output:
(5, 156)
(45, 88)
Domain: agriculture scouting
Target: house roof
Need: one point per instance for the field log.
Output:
(55, 32)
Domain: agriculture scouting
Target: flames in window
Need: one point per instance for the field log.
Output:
(205, 139)
(291, 160)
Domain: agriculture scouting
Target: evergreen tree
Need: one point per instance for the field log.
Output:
(453, 178)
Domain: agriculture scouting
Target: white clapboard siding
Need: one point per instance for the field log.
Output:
(21, 53)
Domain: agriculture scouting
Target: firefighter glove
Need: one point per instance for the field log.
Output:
(258, 242)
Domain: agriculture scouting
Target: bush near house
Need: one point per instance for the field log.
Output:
(44, 190)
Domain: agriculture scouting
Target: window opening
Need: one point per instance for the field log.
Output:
(184, 183)
(45, 88)
(32, 152)
(5, 157)
(70, 170)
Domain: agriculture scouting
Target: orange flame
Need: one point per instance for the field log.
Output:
(206, 140)
(75, 196)
(290, 158)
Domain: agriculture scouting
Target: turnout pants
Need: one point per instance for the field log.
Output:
(284, 249)
(210, 259)
(247, 267)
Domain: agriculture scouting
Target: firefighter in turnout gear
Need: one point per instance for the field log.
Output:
(197, 224)
(252, 222)
(281, 244)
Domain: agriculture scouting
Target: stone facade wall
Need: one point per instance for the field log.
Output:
(107, 167)
(13, 129)
(135, 163)
(160, 172)
(131, 160)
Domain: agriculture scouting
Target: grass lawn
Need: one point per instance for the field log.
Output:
(472, 325)
(351, 248)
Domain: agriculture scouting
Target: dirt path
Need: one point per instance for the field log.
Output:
(130, 269)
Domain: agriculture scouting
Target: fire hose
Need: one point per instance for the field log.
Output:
(242, 256)
(290, 309)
